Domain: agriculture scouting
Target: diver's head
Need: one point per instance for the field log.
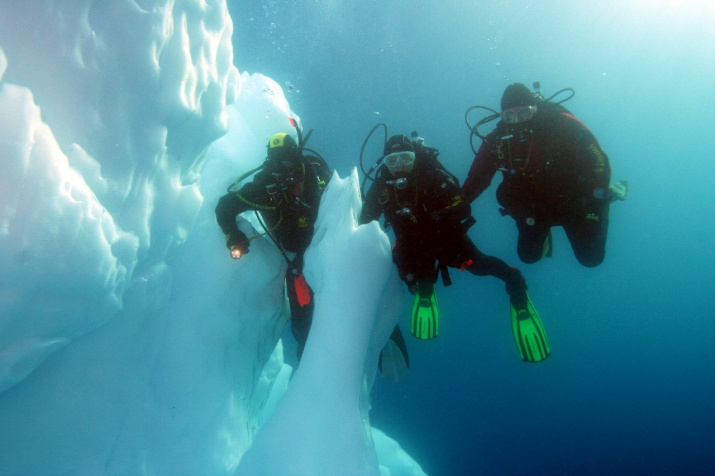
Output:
(518, 104)
(283, 151)
(399, 155)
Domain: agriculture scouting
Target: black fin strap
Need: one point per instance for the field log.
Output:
(444, 272)
(467, 224)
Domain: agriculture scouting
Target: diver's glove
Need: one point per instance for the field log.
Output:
(450, 223)
(618, 191)
(238, 244)
(452, 215)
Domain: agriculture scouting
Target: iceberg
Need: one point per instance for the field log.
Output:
(318, 427)
(130, 343)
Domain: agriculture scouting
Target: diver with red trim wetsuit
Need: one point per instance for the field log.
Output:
(424, 205)
(554, 174)
(286, 191)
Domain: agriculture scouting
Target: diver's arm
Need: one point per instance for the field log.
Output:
(481, 172)
(321, 168)
(451, 205)
(371, 209)
(591, 161)
(598, 167)
(230, 206)
(592, 171)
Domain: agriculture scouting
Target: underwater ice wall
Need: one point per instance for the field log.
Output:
(99, 99)
(321, 425)
(129, 342)
(106, 111)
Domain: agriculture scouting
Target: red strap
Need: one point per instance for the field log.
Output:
(466, 264)
(302, 290)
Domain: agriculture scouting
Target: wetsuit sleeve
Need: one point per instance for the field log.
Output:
(230, 205)
(590, 162)
(325, 173)
(371, 209)
(321, 170)
(481, 172)
(450, 205)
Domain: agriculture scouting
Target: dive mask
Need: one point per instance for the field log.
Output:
(397, 159)
(515, 115)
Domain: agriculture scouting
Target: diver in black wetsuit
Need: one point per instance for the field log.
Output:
(425, 207)
(286, 192)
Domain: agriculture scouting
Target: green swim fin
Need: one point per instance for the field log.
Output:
(425, 312)
(394, 360)
(529, 333)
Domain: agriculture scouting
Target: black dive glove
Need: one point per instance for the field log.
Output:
(445, 220)
(238, 244)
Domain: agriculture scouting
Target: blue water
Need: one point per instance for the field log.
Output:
(629, 388)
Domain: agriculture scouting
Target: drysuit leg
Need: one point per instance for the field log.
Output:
(300, 298)
(413, 265)
(588, 238)
(471, 259)
(532, 239)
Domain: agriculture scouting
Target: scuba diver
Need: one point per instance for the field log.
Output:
(425, 207)
(554, 174)
(285, 194)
